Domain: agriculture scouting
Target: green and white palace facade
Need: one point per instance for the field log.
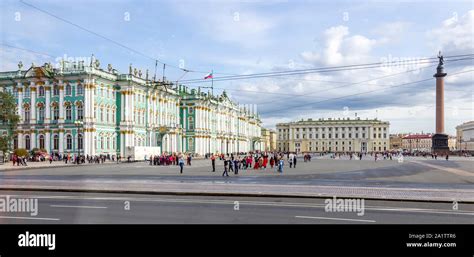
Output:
(83, 109)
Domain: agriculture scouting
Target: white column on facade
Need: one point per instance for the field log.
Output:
(33, 103)
(20, 104)
(47, 142)
(21, 143)
(61, 141)
(61, 106)
(33, 139)
(47, 91)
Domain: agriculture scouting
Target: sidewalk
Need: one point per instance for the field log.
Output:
(224, 188)
(46, 165)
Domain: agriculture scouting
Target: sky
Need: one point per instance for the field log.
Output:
(246, 37)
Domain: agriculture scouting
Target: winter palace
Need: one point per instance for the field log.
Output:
(77, 108)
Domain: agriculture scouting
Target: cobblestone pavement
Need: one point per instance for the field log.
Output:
(412, 179)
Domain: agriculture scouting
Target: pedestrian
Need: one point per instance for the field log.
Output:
(236, 166)
(294, 161)
(225, 168)
(447, 157)
(280, 166)
(181, 164)
(213, 162)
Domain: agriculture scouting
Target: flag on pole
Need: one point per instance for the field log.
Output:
(209, 76)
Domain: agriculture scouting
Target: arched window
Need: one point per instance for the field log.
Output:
(55, 90)
(27, 115)
(27, 92)
(41, 91)
(107, 115)
(191, 123)
(27, 142)
(80, 142)
(69, 112)
(80, 89)
(15, 142)
(41, 113)
(191, 144)
(56, 113)
(108, 142)
(68, 89)
(56, 142)
(41, 141)
(68, 142)
(80, 112)
(102, 143)
(101, 114)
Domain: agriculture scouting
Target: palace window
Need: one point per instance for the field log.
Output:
(15, 92)
(41, 142)
(27, 92)
(55, 90)
(56, 142)
(80, 89)
(41, 91)
(68, 112)
(102, 143)
(80, 141)
(56, 113)
(80, 112)
(41, 113)
(15, 142)
(107, 115)
(27, 142)
(68, 142)
(191, 123)
(27, 115)
(68, 89)
(101, 114)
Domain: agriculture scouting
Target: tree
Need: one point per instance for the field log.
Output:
(8, 120)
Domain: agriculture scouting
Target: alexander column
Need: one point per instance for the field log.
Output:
(440, 140)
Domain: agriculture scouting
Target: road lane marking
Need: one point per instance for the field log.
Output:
(327, 218)
(27, 218)
(78, 206)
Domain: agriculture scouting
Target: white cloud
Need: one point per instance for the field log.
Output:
(341, 48)
(454, 34)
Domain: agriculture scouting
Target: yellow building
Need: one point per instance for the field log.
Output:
(465, 136)
(269, 140)
(333, 135)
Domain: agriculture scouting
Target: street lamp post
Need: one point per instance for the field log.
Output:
(79, 124)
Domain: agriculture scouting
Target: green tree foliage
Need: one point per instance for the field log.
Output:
(8, 120)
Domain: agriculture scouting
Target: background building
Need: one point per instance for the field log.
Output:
(465, 136)
(269, 139)
(417, 143)
(396, 141)
(84, 109)
(215, 124)
(333, 135)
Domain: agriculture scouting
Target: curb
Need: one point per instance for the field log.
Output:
(228, 194)
(60, 166)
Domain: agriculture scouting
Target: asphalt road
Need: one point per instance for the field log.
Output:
(94, 208)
